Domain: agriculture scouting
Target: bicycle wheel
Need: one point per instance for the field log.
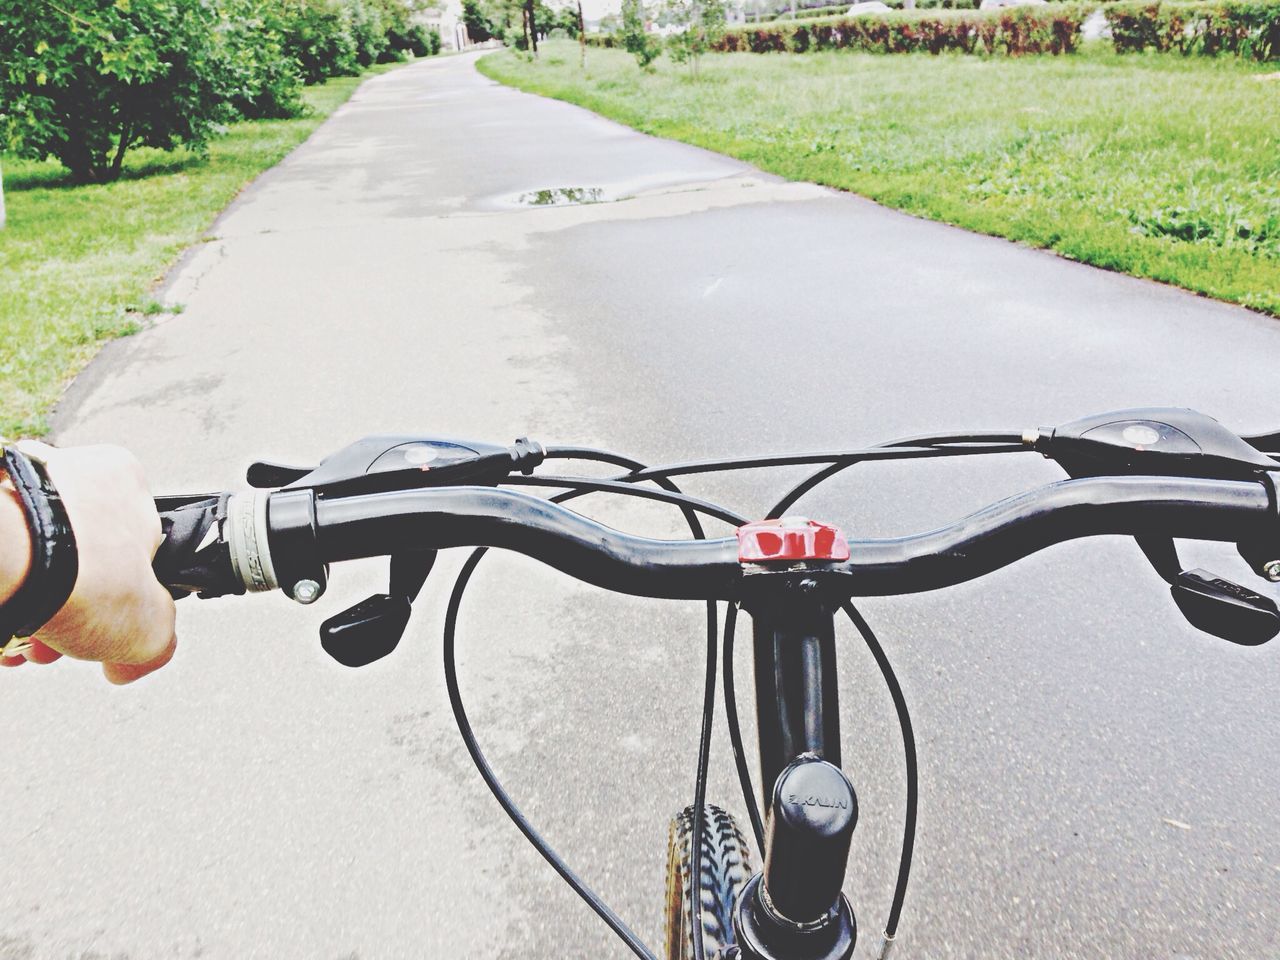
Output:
(726, 868)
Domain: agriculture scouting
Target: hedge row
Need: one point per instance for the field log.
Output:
(85, 81)
(338, 38)
(1239, 27)
(1012, 31)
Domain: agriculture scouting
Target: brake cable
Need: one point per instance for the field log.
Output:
(972, 445)
(735, 730)
(893, 451)
(912, 773)
(626, 489)
(688, 505)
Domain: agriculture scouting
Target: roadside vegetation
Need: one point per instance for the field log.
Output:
(1155, 164)
(126, 126)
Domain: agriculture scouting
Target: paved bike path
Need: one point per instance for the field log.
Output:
(1096, 779)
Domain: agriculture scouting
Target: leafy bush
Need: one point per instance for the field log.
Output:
(318, 37)
(415, 39)
(87, 81)
(1240, 27)
(1012, 31)
(369, 31)
(479, 26)
(840, 9)
(257, 77)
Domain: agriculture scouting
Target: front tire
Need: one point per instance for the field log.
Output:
(726, 868)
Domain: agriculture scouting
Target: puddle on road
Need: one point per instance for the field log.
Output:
(609, 192)
(561, 196)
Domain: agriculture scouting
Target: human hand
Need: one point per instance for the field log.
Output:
(118, 613)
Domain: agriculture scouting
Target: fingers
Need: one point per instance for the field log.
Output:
(122, 673)
(41, 653)
(29, 651)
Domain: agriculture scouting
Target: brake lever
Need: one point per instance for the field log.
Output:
(265, 475)
(372, 628)
(1213, 604)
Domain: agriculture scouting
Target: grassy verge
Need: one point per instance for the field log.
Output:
(1159, 166)
(77, 263)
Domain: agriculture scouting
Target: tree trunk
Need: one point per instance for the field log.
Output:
(533, 26)
(117, 162)
(582, 57)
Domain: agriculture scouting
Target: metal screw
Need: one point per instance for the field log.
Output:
(1271, 571)
(306, 591)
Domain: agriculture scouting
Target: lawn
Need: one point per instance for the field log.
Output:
(78, 264)
(1155, 165)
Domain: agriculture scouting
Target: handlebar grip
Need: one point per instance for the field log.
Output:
(194, 556)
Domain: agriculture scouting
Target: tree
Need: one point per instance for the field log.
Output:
(479, 26)
(635, 39)
(86, 80)
(700, 23)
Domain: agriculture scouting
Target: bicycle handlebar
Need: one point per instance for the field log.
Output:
(331, 529)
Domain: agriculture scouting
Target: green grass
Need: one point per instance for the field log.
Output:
(78, 264)
(1159, 166)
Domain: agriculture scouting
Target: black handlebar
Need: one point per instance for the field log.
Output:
(1224, 510)
(388, 523)
(377, 524)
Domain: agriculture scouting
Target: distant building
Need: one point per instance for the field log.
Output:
(446, 19)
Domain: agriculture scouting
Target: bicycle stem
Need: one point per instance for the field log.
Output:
(794, 906)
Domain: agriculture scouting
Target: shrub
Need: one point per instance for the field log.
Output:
(257, 77)
(840, 9)
(1011, 31)
(1239, 27)
(86, 80)
(317, 35)
(368, 30)
(415, 39)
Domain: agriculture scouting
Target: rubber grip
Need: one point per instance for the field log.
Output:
(194, 557)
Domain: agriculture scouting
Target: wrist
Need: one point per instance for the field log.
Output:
(15, 543)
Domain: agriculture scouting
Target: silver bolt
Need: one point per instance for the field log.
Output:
(306, 591)
(1272, 571)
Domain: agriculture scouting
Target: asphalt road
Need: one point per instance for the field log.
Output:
(1098, 780)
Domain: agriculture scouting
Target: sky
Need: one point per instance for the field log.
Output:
(595, 9)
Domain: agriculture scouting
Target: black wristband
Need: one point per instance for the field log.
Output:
(54, 562)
